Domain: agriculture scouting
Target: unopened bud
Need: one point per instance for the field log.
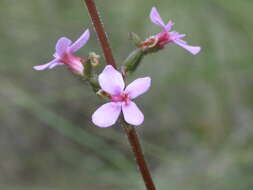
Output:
(133, 60)
(135, 38)
(94, 59)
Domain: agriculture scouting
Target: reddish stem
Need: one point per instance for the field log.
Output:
(136, 148)
(100, 32)
(130, 130)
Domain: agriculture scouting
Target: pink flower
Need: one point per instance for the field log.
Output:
(111, 81)
(64, 54)
(166, 36)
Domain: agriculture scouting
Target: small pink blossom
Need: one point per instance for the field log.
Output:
(64, 54)
(111, 81)
(166, 36)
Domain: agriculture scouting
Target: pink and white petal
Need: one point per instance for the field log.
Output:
(192, 49)
(132, 114)
(77, 67)
(177, 36)
(55, 64)
(138, 87)
(82, 40)
(174, 33)
(156, 18)
(55, 55)
(181, 41)
(61, 46)
(169, 26)
(111, 80)
(107, 114)
(44, 66)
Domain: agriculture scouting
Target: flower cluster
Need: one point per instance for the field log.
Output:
(111, 82)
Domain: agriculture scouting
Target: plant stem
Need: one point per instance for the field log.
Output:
(136, 148)
(130, 130)
(100, 32)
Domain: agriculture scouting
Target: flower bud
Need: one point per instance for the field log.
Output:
(135, 38)
(94, 58)
(133, 60)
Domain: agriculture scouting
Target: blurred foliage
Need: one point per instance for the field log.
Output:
(199, 112)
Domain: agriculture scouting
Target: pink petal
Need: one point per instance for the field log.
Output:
(107, 114)
(169, 25)
(177, 36)
(44, 66)
(181, 41)
(80, 42)
(132, 114)
(156, 18)
(55, 64)
(192, 49)
(138, 87)
(111, 80)
(61, 46)
(55, 55)
(76, 66)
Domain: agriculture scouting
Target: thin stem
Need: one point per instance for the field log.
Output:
(136, 148)
(130, 130)
(100, 32)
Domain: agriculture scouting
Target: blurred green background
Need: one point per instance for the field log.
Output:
(199, 112)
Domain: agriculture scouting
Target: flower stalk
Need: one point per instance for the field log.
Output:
(140, 159)
(100, 32)
(130, 130)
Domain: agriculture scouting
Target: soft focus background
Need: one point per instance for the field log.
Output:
(198, 131)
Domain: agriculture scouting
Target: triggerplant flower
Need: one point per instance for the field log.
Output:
(111, 81)
(166, 36)
(64, 54)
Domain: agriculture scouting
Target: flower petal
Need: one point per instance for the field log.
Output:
(107, 114)
(57, 63)
(138, 87)
(82, 40)
(177, 36)
(76, 66)
(156, 18)
(44, 66)
(192, 49)
(61, 46)
(132, 114)
(111, 80)
(169, 25)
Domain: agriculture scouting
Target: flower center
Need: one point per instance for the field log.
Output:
(120, 98)
(163, 38)
(157, 41)
(74, 63)
(69, 59)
